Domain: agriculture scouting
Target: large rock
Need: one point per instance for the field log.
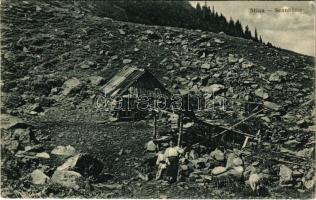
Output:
(68, 179)
(25, 136)
(38, 177)
(9, 121)
(261, 93)
(272, 106)
(278, 76)
(70, 86)
(96, 80)
(218, 170)
(285, 174)
(199, 163)
(217, 155)
(84, 164)
(150, 146)
(213, 88)
(64, 151)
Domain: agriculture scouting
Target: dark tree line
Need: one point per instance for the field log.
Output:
(174, 13)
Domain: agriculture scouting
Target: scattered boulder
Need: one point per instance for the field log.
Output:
(213, 88)
(35, 108)
(121, 31)
(232, 59)
(218, 170)
(127, 61)
(39, 178)
(272, 106)
(64, 151)
(68, 179)
(84, 164)
(206, 66)
(285, 175)
(199, 163)
(307, 152)
(86, 64)
(150, 146)
(96, 80)
(43, 155)
(247, 64)
(24, 135)
(261, 93)
(216, 40)
(217, 155)
(71, 85)
(277, 76)
(10, 122)
(291, 144)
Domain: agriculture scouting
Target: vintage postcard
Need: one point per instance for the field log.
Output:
(157, 99)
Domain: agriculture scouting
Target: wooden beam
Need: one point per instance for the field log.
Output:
(229, 128)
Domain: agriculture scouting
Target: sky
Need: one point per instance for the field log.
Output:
(289, 30)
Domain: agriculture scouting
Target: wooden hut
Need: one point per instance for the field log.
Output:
(128, 86)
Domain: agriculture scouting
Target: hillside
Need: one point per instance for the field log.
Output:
(46, 44)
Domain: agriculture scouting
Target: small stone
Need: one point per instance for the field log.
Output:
(127, 61)
(121, 31)
(206, 66)
(36, 108)
(232, 59)
(38, 8)
(43, 155)
(247, 64)
(216, 40)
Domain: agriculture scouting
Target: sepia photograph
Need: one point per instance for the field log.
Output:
(157, 99)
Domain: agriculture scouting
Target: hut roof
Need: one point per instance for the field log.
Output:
(123, 80)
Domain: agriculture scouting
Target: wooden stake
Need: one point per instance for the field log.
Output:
(155, 125)
(245, 142)
(180, 129)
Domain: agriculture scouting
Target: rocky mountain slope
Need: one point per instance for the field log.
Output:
(56, 55)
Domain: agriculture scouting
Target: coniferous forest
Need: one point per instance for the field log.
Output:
(176, 14)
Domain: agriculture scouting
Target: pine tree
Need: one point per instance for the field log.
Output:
(256, 35)
(231, 27)
(239, 32)
(260, 39)
(247, 34)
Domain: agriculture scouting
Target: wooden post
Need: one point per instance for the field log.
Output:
(245, 142)
(180, 129)
(155, 125)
